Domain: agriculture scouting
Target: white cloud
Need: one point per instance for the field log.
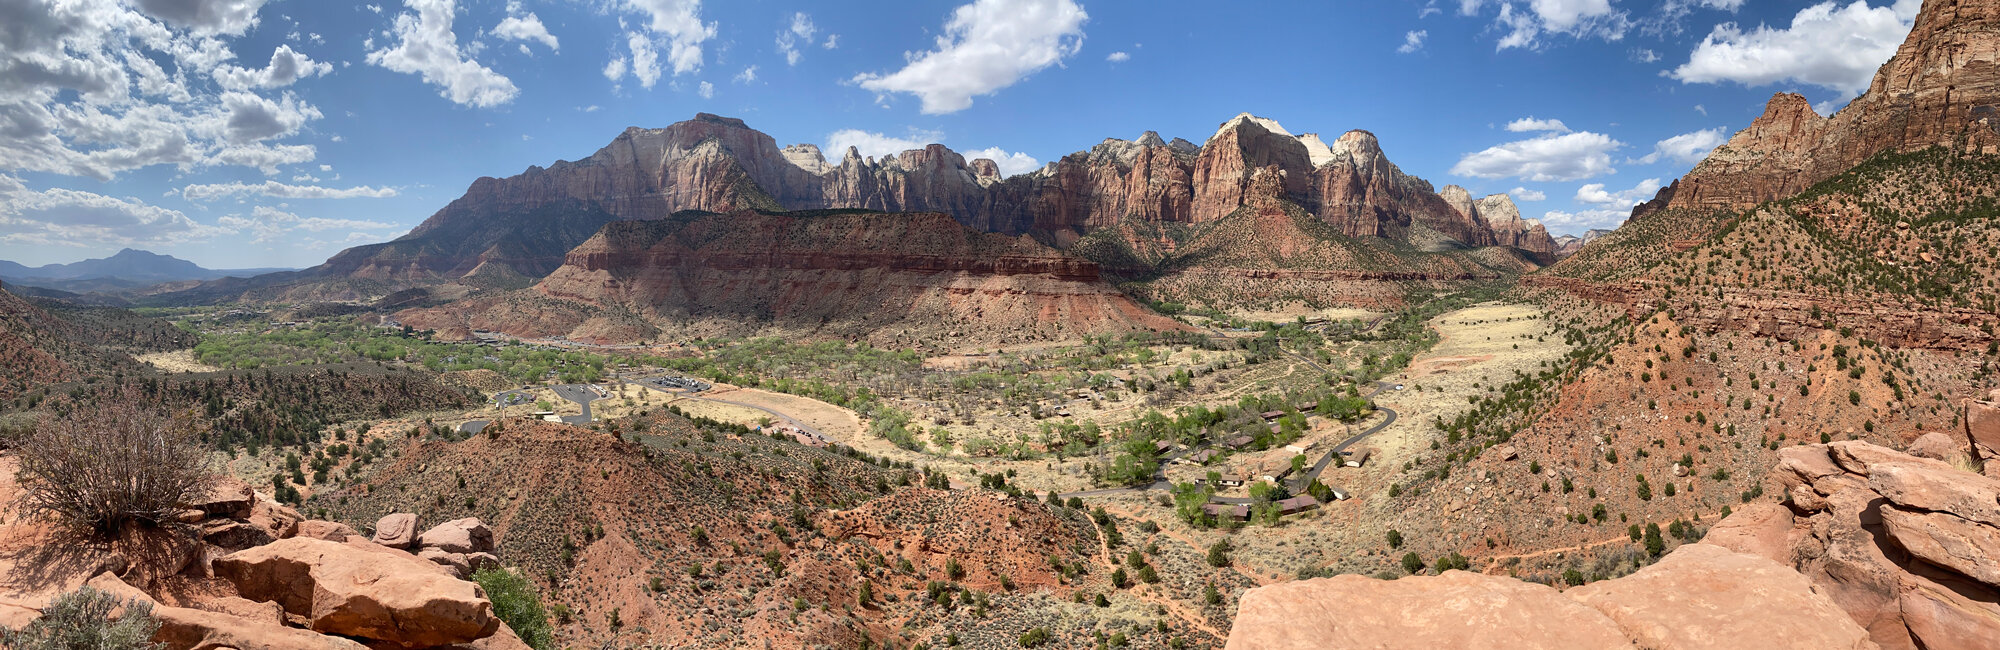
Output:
(876, 145)
(211, 192)
(1644, 55)
(1118, 57)
(986, 46)
(1525, 194)
(706, 90)
(1531, 125)
(1526, 23)
(63, 217)
(799, 34)
(1558, 220)
(1567, 157)
(1827, 45)
(748, 75)
(1595, 193)
(98, 88)
(645, 61)
(832, 42)
(1687, 148)
(615, 68)
(1413, 41)
(678, 23)
(267, 224)
(1010, 163)
(205, 17)
(285, 68)
(425, 46)
(527, 27)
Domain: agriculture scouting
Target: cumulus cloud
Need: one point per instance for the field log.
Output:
(425, 46)
(205, 17)
(1595, 193)
(1118, 57)
(213, 191)
(877, 145)
(1827, 45)
(1010, 163)
(1413, 41)
(1566, 157)
(645, 61)
(748, 75)
(98, 88)
(1526, 24)
(286, 67)
(267, 224)
(799, 34)
(519, 26)
(676, 24)
(985, 46)
(1687, 148)
(706, 90)
(1525, 194)
(1558, 220)
(63, 217)
(1532, 125)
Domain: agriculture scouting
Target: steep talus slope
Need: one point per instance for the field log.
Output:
(899, 277)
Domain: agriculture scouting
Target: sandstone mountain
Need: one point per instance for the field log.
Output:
(509, 232)
(891, 277)
(1940, 90)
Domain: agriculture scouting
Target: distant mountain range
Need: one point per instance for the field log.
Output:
(128, 269)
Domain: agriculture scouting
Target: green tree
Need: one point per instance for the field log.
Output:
(1412, 564)
(516, 604)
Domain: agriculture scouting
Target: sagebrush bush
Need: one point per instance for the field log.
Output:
(82, 620)
(97, 469)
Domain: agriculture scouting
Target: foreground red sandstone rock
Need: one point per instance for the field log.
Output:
(1699, 596)
(350, 591)
(1903, 544)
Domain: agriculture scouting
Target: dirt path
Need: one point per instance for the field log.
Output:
(1494, 562)
(176, 361)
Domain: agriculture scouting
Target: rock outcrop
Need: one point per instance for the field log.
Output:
(1568, 245)
(1905, 545)
(350, 590)
(1699, 596)
(1942, 88)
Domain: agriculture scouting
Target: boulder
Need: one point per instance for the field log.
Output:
(234, 535)
(1982, 422)
(1705, 596)
(466, 535)
(382, 596)
(277, 519)
(397, 530)
(1454, 610)
(194, 629)
(1940, 447)
(454, 561)
(326, 530)
(1762, 529)
(227, 497)
(1968, 548)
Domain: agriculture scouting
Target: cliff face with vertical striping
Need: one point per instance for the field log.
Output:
(1941, 89)
(520, 227)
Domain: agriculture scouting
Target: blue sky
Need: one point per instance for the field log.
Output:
(253, 133)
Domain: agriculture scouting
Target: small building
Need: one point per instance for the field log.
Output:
(1358, 458)
(1308, 407)
(1239, 512)
(547, 415)
(1162, 446)
(1238, 442)
(1297, 504)
(1199, 457)
(1272, 415)
(1299, 447)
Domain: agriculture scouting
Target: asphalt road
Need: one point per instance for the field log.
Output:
(582, 395)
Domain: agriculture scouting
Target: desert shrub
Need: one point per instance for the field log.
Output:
(116, 464)
(82, 620)
(516, 604)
